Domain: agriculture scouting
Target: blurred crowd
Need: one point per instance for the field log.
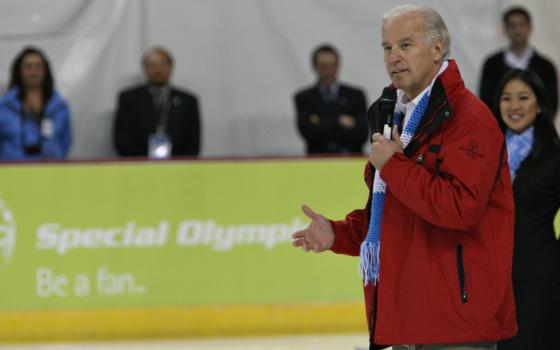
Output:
(159, 120)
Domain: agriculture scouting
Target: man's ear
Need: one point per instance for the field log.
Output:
(437, 50)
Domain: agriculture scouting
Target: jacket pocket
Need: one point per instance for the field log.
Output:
(461, 274)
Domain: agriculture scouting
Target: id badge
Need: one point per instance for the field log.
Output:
(159, 146)
(47, 128)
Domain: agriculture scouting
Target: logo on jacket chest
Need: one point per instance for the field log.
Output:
(472, 150)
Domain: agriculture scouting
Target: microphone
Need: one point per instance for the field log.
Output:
(387, 104)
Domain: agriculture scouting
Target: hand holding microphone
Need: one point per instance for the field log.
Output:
(387, 104)
(384, 146)
(382, 149)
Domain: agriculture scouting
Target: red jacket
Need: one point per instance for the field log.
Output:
(447, 228)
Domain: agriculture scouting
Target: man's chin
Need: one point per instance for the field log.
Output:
(398, 83)
(158, 83)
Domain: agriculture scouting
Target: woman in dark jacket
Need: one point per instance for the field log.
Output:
(534, 158)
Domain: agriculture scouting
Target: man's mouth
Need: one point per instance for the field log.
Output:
(398, 71)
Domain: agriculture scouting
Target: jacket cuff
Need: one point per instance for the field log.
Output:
(389, 167)
(342, 245)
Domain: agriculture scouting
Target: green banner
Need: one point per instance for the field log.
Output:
(146, 234)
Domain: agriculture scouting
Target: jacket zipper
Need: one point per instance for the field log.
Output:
(373, 318)
(461, 273)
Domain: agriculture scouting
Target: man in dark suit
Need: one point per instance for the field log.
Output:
(331, 116)
(517, 26)
(156, 118)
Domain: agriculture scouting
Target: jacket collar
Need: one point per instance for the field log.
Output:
(446, 87)
(451, 80)
(12, 100)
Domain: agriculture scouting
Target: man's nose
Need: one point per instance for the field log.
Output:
(394, 56)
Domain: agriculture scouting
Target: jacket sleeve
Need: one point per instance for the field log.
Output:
(350, 232)
(57, 146)
(313, 133)
(456, 197)
(121, 129)
(9, 147)
(359, 133)
(193, 131)
(488, 85)
(65, 133)
(552, 87)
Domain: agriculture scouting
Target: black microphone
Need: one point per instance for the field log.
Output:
(387, 104)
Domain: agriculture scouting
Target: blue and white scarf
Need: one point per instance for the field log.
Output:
(518, 146)
(369, 250)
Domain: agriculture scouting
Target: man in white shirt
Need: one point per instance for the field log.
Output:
(519, 54)
(435, 266)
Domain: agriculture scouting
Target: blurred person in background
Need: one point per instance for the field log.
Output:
(156, 119)
(534, 159)
(331, 116)
(518, 26)
(34, 118)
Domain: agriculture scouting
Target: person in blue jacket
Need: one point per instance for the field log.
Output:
(34, 118)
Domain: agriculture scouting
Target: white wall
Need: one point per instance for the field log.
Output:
(243, 58)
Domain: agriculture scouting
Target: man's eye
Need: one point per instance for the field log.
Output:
(405, 46)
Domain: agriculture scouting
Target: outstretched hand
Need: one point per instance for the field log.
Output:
(318, 236)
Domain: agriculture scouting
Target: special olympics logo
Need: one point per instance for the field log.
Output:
(7, 234)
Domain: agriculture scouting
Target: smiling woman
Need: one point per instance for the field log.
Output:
(533, 147)
(518, 106)
(34, 117)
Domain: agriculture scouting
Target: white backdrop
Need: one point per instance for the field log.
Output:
(242, 58)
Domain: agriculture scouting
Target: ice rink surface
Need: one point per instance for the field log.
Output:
(314, 342)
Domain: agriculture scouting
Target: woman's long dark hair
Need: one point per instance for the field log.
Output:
(16, 76)
(546, 140)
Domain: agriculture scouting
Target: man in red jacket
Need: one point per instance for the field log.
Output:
(440, 277)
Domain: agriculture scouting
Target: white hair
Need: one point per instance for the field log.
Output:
(434, 26)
